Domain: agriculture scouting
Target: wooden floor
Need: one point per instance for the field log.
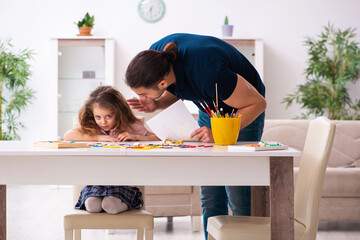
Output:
(36, 213)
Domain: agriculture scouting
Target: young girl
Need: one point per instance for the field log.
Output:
(106, 116)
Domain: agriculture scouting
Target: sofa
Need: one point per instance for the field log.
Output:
(340, 199)
(174, 201)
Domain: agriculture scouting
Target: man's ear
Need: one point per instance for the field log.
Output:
(163, 84)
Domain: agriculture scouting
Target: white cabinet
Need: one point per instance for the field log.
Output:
(79, 65)
(252, 49)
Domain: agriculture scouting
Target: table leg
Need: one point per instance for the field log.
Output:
(260, 204)
(2, 212)
(282, 198)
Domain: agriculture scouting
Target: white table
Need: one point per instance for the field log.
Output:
(21, 163)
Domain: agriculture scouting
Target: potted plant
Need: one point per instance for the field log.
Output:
(14, 91)
(85, 25)
(227, 30)
(334, 61)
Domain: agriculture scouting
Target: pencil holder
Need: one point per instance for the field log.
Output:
(225, 130)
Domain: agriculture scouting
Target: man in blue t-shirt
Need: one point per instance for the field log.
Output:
(201, 69)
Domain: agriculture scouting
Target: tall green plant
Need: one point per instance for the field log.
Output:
(334, 61)
(14, 92)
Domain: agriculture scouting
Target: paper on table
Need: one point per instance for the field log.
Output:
(174, 123)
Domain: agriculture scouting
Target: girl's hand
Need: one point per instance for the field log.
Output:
(125, 136)
(106, 138)
(203, 134)
(144, 104)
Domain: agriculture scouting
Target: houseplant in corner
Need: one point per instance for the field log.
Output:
(334, 62)
(227, 30)
(15, 93)
(85, 25)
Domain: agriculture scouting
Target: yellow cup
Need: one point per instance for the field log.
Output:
(225, 130)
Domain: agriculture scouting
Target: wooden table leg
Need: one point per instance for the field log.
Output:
(260, 204)
(2, 212)
(282, 198)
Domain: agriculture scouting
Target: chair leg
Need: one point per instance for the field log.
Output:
(195, 223)
(170, 219)
(77, 234)
(149, 234)
(69, 234)
(140, 234)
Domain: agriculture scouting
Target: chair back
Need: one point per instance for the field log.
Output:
(77, 190)
(309, 183)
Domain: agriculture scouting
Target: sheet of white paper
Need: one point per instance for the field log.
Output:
(174, 123)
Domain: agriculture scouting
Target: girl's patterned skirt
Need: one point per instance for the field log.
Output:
(132, 196)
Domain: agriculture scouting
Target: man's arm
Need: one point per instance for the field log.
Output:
(249, 102)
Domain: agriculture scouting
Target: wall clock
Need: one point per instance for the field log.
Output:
(151, 10)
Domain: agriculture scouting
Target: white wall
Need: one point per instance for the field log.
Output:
(282, 24)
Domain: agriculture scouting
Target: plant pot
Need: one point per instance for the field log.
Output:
(85, 31)
(227, 30)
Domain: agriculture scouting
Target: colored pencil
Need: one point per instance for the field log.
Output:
(204, 109)
(216, 92)
(208, 108)
(216, 110)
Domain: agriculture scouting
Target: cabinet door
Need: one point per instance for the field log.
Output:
(252, 49)
(81, 68)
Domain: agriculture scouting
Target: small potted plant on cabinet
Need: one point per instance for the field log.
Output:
(85, 25)
(227, 30)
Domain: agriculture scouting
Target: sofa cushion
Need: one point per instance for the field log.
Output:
(289, 132)
(346, 145)
(339, 182)
(339, 209)
(168, 190)
(168, 199)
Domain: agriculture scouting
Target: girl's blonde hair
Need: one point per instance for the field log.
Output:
(109, 98)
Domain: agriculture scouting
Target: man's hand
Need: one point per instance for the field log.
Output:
(203, 134)
(144, 104)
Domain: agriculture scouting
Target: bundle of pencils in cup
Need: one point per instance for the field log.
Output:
(216, 113)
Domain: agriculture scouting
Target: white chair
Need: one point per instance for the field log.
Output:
(140, 220)
(308, 189)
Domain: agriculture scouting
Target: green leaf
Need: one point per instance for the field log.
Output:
(226, 21)
(87, 21)
(334, 61)
(14, 77)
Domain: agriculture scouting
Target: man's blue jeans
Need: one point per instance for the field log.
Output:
(215, 199)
